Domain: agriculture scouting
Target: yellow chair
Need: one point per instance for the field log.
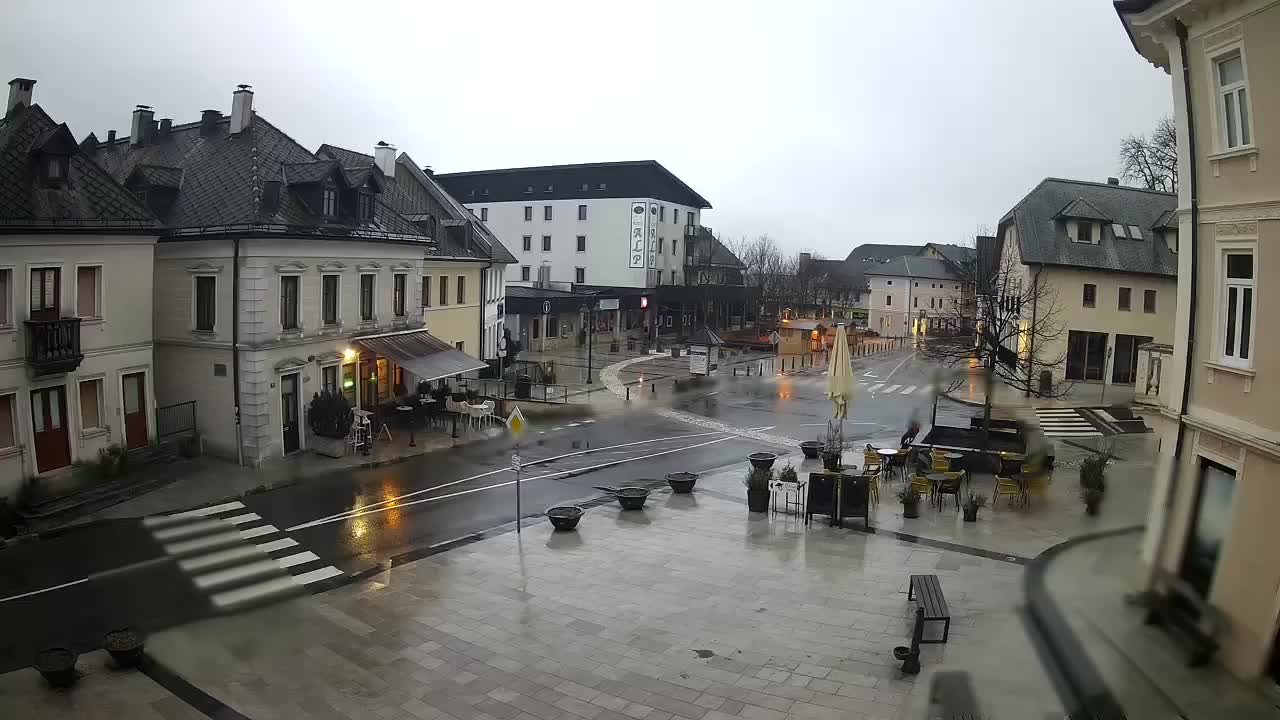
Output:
(922, 485)
(1038, 485)
(939, 462)
(1006, 486)
(871, 463)
(873, 489)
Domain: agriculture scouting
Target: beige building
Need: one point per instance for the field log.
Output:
(1103, 257)
(923, 293)
(281, 273)
(1212, 519)
(76, 250)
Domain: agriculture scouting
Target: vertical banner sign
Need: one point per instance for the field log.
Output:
(636, 244)
(653, 235)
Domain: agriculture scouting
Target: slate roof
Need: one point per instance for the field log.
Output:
(170, 177)
(879, 253)
(988, 257)
(721, 256)
(916, 267)
(414, 194)
(627, 179)
(958, 254)
(1042, 235)
(89, 198)
(222, 180)
(1081, 208)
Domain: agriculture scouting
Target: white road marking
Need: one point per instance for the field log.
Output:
(908, 390)
(242, 519)
(317, 575)
(248, 593)
(274, 545)
(259, 531)
(892, 388)
(181, 531)
(203, 562)
(208, 542)
(44, 590)
(220, 578)
(875, 387)
(302, 557)
(198, 512)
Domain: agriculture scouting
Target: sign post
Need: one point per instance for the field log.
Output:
(516, 424)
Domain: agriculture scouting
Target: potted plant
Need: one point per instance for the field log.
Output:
(565, 517)
(472, 396)
(58, 666)
(910, 499)
(788, 474)
(811, 448)
(762, 460)
(1092, 498)
(1093, 480)
(125, 647)
(757, 483)
(439, 394)
(682, 482)
(972, 505)
(113, 461)
(832, 449)
(399, 391)
(329, 417)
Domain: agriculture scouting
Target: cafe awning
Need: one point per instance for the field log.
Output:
(421, 353)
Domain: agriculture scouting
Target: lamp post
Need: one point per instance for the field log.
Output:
(590, 329)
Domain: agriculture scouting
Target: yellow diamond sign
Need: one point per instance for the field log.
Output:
(516, 422)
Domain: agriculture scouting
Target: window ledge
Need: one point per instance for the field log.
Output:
(1245, 372)
(91, 321)
(1249, 151)
(94, 432)
(204, 334)
(5, 329)
(10, 451)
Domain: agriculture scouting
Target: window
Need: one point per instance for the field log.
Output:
(673, 277)
(1123, 303)
(289, 302)
(366, 298)
(579, 275)
(206, 302)
(582, 211)
(426, 291)
(660, 242)
(330, 202)
(399, 282)
(526, 243)
(673, 246)
(88, 298)
(602, 186)
(528, 213)
(675, 216)
(1148, 301)
(546, 243)
(461, 346)
(46, 289)
(329, 379)
(535, 328)
(528, 189)
(1090, 295)
(546, 212)
(462, 289)
(931, 303)
(1084, 233)
(8, 436)
(888, 301)
(1233, 102)
(6, 297)
(90, 405)
(915, 302)
(444, 290)
(662, 213)
(888, 282)
(1237, 310)
(365, 206)
(54, 168)
(1119, 231)
(550, 188)
(524, 273)
(582, 243)
(329, 300)
(1135, 232)
(484, 214)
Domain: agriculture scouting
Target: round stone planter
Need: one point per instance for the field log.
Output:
(762, 460)
(682, 482)
(911, 510)
(565, 517)
(758, 501)
(630, 498)
(125, 647)
(811, 449)
(58, 666)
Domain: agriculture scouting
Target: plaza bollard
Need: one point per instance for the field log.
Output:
(735, 372)
(761, 369)
(653, 388)
(628, 393)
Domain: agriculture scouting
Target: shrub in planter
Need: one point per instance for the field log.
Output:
(58, 666)
(125, 647)
(788, 474)
(399, 390)
(113, 461)
(472, 396)
(439, 394)
(972, 505)
(425, 389)
(1092, 498)
(910, 500)
(757, 482)
(329, 417)
(1093, 472)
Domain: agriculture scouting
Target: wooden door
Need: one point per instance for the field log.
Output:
(289, 411)
(49, 424)
(46, 291)
(134, 388)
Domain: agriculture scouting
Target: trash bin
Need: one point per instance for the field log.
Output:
(675, 352)
(1046, 383)
(524, 384)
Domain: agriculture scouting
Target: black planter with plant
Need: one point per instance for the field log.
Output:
(811, 448)
(682, 482)
(329, 417)
(565, 517)
(125, 647)
(762, 460)
(57, 666)
(757, 483)
(972, 505)
(910, 499)
(831, 460)
(1093, 484)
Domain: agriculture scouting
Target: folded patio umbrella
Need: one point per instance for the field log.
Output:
(840, 384)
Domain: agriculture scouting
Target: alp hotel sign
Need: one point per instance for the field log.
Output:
(653, 235)
(639, 235)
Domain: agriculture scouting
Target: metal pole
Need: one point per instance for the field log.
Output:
(591, 331)
(518, 464)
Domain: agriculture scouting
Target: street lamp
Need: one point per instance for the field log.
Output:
(590, 328)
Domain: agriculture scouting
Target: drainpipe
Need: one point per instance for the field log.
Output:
(1031, 351)
(484, 302)
(235, 345)
(1194, 190)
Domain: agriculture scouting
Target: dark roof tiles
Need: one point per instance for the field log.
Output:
(916, 267)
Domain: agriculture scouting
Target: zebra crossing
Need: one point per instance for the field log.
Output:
(1066, 422)
(236, 558)
(887, 389)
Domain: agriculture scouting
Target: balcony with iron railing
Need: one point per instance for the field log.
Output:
(695, 231)
(53, 346)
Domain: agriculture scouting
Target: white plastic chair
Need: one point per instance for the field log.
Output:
(487, 408)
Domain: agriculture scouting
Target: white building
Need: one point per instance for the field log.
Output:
(612, 224)
(76, 253)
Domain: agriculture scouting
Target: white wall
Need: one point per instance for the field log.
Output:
(607, 229)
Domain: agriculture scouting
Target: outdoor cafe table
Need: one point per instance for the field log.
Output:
(937, 479)
(887, 455)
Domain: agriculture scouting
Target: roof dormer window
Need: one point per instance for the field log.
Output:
(528, 189)
(55, 170)
(329, 203)
(364, 206)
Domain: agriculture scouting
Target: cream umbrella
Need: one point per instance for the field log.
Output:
(840, 384)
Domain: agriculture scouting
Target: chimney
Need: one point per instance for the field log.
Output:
(111, 137)
(805, 257)
(138, 131)
(1113, 181)
(166, 124)
(384, 156)
(241, 109)
(19, 94)
(209, 120)
(426, 170)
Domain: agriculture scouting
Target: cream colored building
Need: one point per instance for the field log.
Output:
(281, 273)
(1103, 256)
(921, 293)
(1212, 518)
(76, 249)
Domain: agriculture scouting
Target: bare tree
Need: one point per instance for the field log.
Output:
(1152, 162)
(1011, 324)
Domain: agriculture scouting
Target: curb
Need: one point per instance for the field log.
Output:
(970, 403)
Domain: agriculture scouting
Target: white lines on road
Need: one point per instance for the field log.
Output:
(875, 387)
(892, 388)
(161, 520)
(908, 390)
(44, 590)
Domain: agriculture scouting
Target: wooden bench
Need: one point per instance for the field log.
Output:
(1182, 610)
(926, 590)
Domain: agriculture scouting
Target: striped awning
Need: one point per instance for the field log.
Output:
(421, 353)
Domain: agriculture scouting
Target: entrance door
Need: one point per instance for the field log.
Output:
(49, 423)
(289, 411)
(1125, 365)
(134, 387)
(46, 289)
(1086, 355)
(1209, 525)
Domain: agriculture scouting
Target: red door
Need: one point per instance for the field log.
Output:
(49, 424)
(46, 288)
(135, 410)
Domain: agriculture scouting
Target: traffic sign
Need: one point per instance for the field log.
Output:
(516, 422)
(775, 338)
(546, 307)
(515, 460)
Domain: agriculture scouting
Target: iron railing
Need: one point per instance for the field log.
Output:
(178, 419)
(53, 346)
(508, 390)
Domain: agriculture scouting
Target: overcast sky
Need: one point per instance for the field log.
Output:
(822, 124)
